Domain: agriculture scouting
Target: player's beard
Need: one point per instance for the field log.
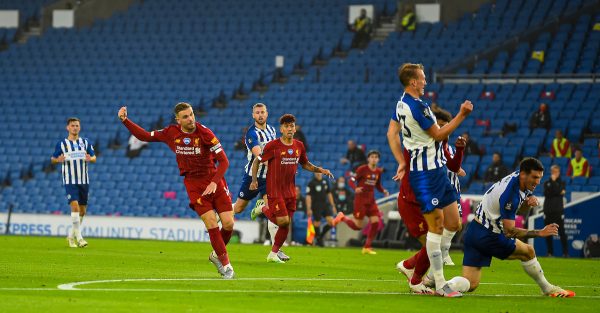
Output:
(260, 122)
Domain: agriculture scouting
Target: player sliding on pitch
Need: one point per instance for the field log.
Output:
(492, 233)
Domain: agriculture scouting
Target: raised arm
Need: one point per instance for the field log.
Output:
(441, 133)
(137, 130)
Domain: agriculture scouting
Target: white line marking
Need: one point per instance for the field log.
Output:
(72, 286)
(324, 292)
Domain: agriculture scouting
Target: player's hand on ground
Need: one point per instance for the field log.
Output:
(549, 230)
(325, 171)
(358, 190)
(532, 201)
(60, 158)
(466, 108)
(122, 113)
(400, 172)
(462, 172)
(254, 185)
(210, 189)
(460, 142)
(386, 193)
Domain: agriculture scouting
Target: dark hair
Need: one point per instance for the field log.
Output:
(286, 119)
(443, 116)
(531, 164)
(373, 152)
(180, 107)
(408, 71)
(72, 119)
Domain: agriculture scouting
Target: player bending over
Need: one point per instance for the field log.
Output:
(493, 233)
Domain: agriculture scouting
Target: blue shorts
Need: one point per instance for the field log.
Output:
(481, 244)
(432, 189)
(247, 194)
(77, 193)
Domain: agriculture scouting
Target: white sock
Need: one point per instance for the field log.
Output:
(435, 258)
(272, 227)
(459, 284)
(80, 220)
(534, 270)
(75, 220)
(446, 242)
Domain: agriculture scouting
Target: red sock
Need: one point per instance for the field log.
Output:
(280, 238)
(270, 214)
(350, 223)
(372, 234)
(421, 266)
(218, 245)
(226, 235)
(412, 261)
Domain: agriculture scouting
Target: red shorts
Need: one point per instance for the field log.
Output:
(364, 208)
(219, 200)
(282, 206)
(412, 217)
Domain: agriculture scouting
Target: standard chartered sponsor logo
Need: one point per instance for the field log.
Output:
(287, 161)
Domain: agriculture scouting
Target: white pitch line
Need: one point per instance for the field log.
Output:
(73, 285)
(324, 292)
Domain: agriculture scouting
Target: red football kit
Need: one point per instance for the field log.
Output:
(281, 175)
(196, 154)
(364, 201)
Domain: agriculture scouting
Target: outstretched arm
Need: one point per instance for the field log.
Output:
(138, 131)
(315, 169)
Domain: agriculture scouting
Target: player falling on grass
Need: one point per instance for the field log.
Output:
(75, 153)
(256, 138)
(422, 137)
(197, 150)
(367, 178)
(282, 157)
(415, 267)
(492, 233)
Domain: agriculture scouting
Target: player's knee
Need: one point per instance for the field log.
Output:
(530, 253)
(227, 224)
(285, 223)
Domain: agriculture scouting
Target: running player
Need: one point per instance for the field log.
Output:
(367, 178)
(422, 138)
(196, 148)
(282, 157)
(256, 138)
(75, 153)
(492, 233)
(410, 210)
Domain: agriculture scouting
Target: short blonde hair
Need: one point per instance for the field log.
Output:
(408, 71)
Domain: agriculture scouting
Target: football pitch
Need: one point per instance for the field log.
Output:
(41, 274)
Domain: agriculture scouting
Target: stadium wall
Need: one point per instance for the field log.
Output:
(171, 229)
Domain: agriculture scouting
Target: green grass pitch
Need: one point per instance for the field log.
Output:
(155, 276)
